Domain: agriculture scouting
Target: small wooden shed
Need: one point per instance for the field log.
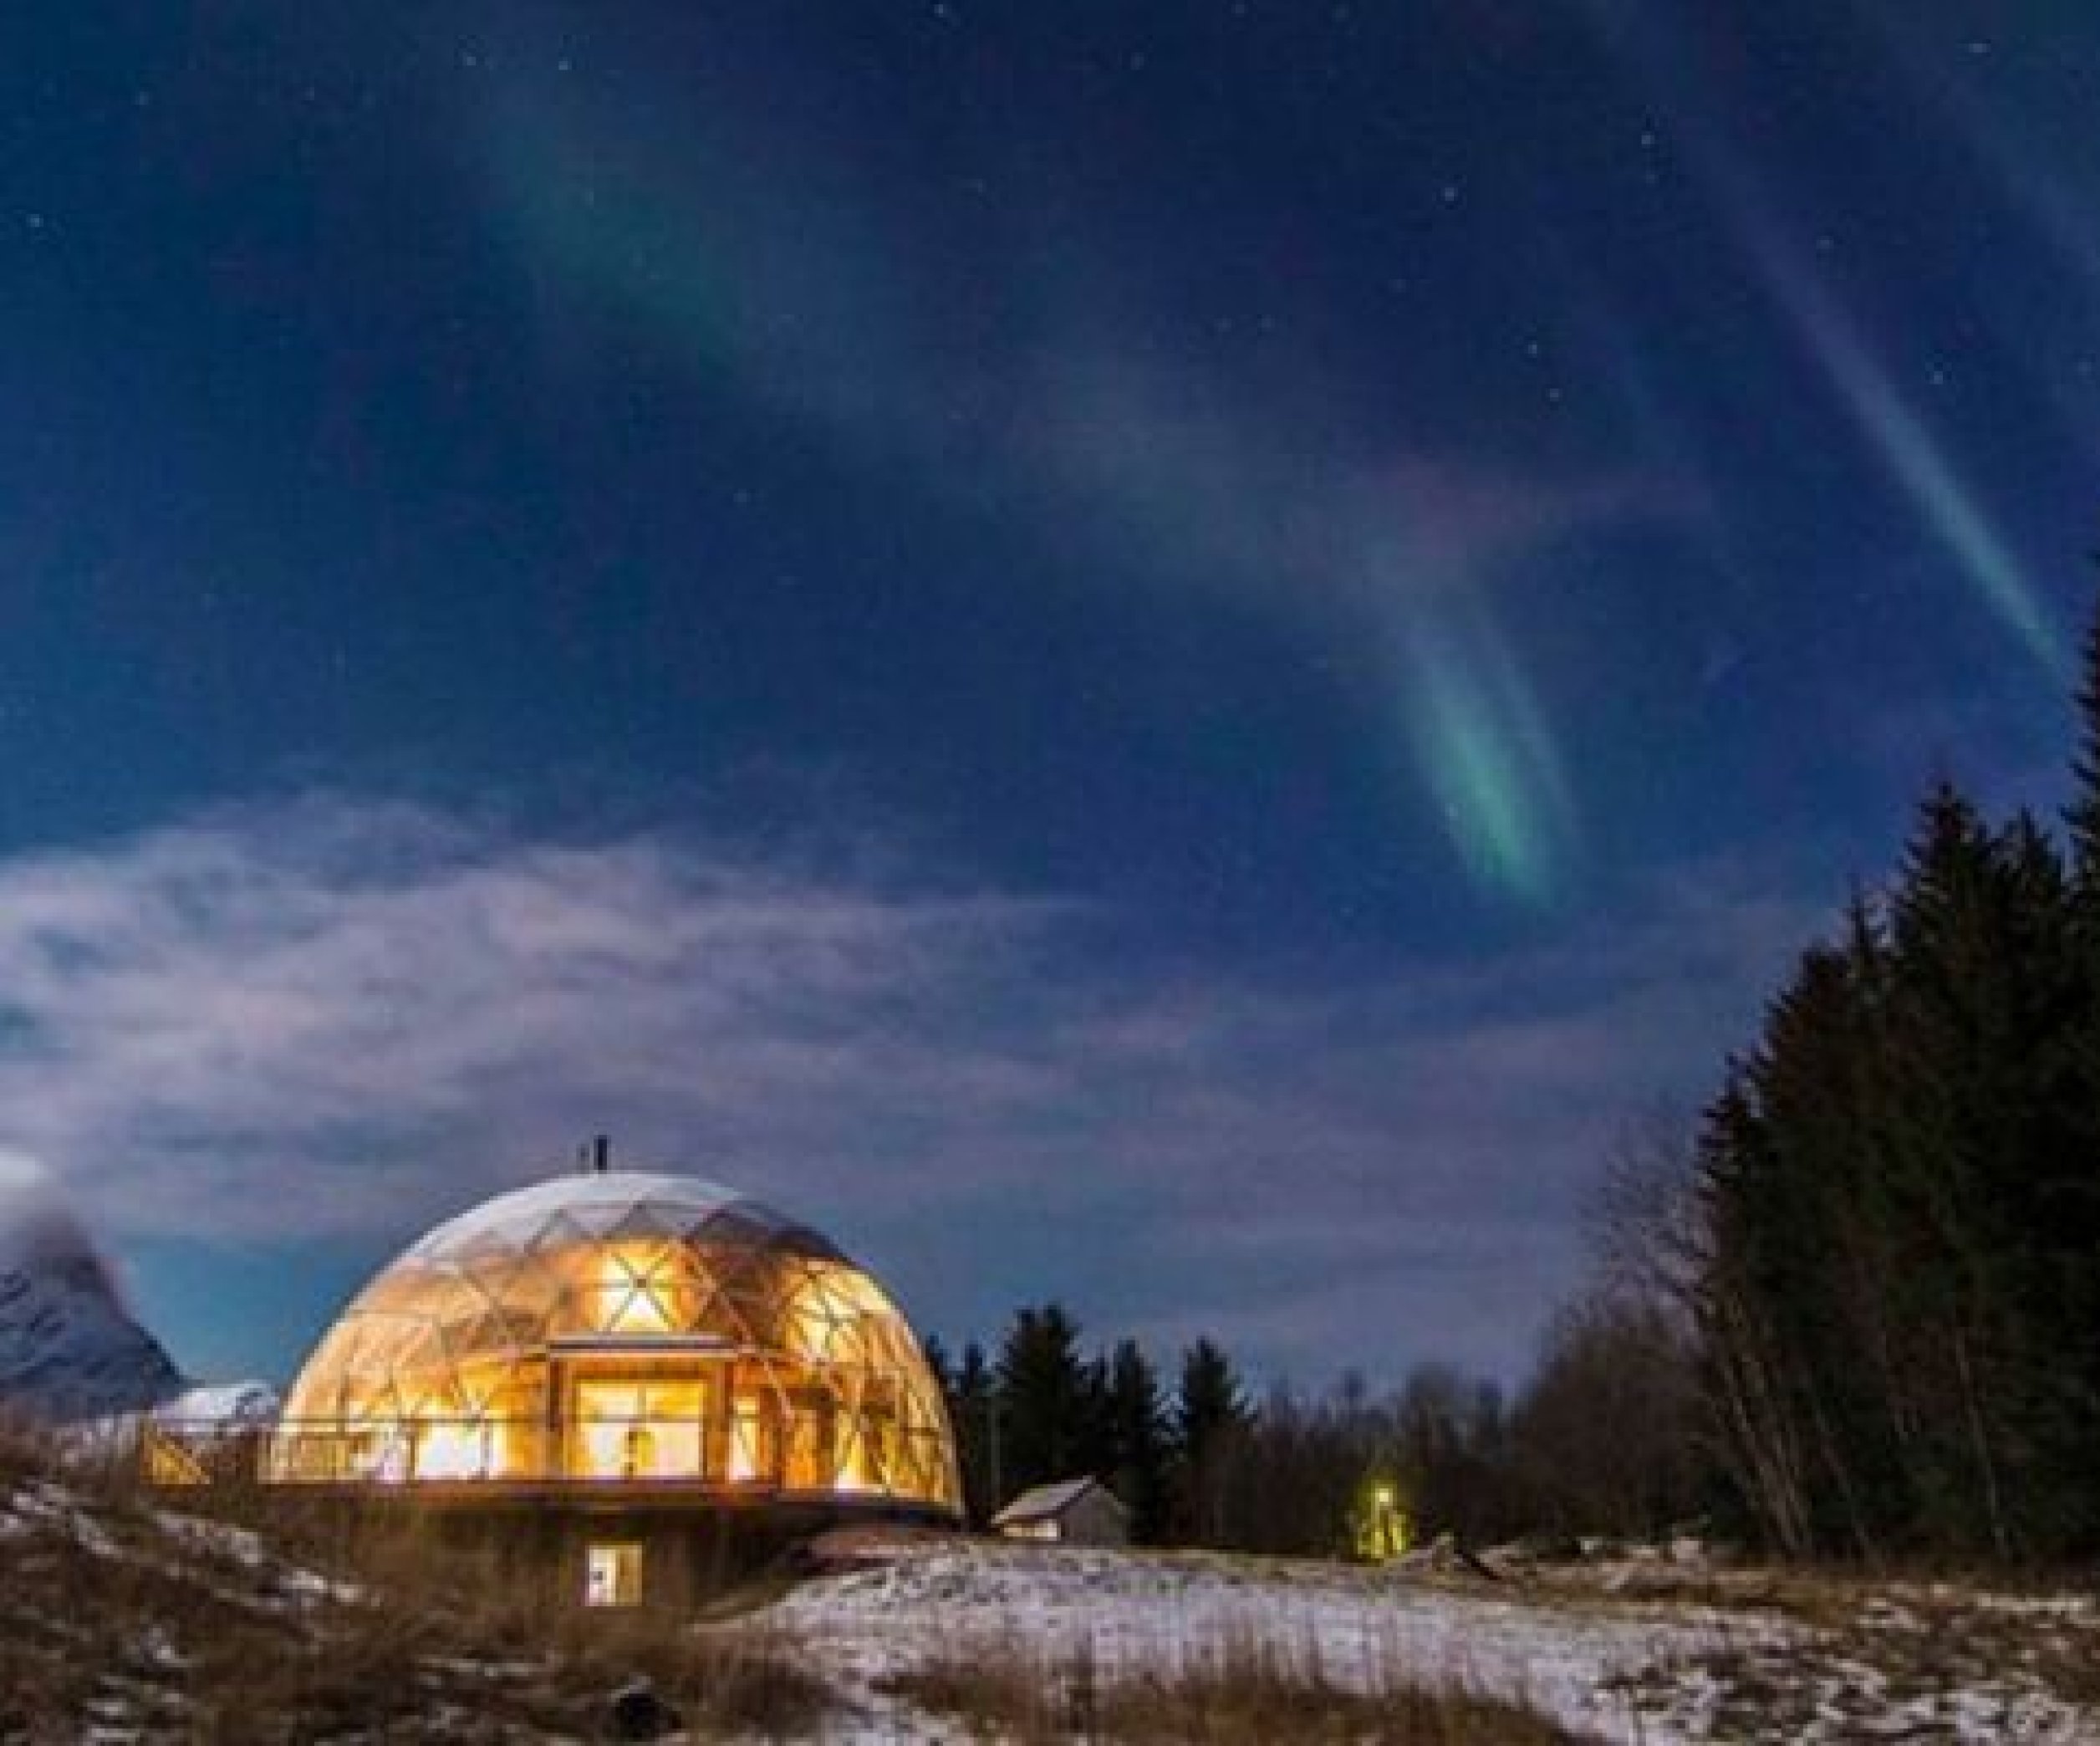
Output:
(1080, 1512)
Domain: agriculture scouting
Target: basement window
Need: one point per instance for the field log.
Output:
(613, 1575)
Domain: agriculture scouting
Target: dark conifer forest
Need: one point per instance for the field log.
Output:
(1896, 1284)
(1852, 1311)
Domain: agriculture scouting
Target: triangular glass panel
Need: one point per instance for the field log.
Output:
(559, 1231)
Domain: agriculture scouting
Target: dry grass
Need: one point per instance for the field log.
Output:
(141, 1612)
(1920, 1661)
(199, 1616)
(1246, 1692)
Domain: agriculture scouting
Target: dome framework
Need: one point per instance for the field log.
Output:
(620, 1331)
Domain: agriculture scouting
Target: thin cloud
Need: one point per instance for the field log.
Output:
(334, 1018)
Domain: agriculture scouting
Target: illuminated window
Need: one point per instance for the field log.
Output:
(613, 1575)
(638, 1430)
(811, 1420)
(452, 1449)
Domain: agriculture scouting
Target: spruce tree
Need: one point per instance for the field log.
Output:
(2082, 816)
(1898, 1304)
(1136, 1421)
(973, 1411)
(2068, 1200)
(1978, 956)
(1210, 1415)
(1044, 1399)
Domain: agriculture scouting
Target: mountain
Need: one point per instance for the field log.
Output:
(68, 1348)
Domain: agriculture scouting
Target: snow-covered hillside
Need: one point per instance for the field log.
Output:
(1658, 1670)
(180, 1626)
(68, 1348)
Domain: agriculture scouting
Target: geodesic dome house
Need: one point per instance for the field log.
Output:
(620, 1333)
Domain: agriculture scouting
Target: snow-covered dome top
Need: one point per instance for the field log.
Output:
(615, 1325)
(595, 1203)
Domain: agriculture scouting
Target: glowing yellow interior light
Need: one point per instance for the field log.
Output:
(638, 1431)
(613, 1575)
(168, 1462)
(746, 1429)
(636, 1293)
(862, 1464)
(460, 1367)
(452, 1449)
(832, 1302)
(389, 1448)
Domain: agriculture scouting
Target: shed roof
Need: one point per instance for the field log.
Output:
(1043, 1502)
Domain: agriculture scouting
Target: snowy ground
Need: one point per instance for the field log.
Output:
(1652, 1671)
(124, 1621)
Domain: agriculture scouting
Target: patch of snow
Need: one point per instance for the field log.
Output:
(1656, 1669)
(39, 1505)
(200, 1536)
(233, 1406)
(1128, 1614)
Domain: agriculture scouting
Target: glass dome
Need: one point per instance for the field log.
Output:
(623, 1329)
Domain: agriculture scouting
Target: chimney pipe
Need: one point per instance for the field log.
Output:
(600, 1147)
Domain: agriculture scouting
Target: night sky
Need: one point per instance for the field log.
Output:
(1169, 655)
